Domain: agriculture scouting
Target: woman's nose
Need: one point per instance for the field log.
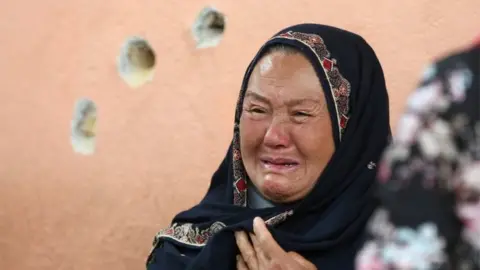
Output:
(277, 135)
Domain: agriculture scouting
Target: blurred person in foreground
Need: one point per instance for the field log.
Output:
(429, 177)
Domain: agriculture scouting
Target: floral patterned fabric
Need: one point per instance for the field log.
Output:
(429, 178)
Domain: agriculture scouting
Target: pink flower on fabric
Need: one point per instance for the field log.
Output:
(368, 259)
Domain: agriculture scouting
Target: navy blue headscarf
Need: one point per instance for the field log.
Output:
(326, 226)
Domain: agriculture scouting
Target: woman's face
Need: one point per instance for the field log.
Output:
(285, 129)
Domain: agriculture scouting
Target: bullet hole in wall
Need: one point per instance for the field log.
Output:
(83, 127)
(208, 28)
(136, 62)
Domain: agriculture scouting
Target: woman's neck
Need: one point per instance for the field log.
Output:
(255, 198)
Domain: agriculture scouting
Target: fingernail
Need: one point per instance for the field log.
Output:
(256, 221)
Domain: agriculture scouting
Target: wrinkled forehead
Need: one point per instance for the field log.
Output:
(284, 76)
(282, 62)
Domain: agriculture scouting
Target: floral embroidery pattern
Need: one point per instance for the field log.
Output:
(339, 86)
(187, 233)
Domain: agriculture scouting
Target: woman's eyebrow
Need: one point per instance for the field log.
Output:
(295, 102)
(291, 102)
(257, 97)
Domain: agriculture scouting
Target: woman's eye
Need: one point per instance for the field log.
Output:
(302, 114)
(256, 110)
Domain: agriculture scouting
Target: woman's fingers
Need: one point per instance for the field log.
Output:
(302, 261)
(261, 258)
(241, 265)
(246, 250)
(266, 242)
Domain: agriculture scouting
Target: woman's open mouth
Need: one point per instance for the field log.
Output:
(279, 164)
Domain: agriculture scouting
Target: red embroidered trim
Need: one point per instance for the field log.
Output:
(188, 234)
(236, 154)
(241, 185)
(239, 175)
(340, 87)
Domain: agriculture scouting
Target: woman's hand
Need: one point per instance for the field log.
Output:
(264, 253)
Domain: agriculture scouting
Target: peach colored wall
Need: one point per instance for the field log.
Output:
(159, 144)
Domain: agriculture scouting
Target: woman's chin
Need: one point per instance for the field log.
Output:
(276, 191)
